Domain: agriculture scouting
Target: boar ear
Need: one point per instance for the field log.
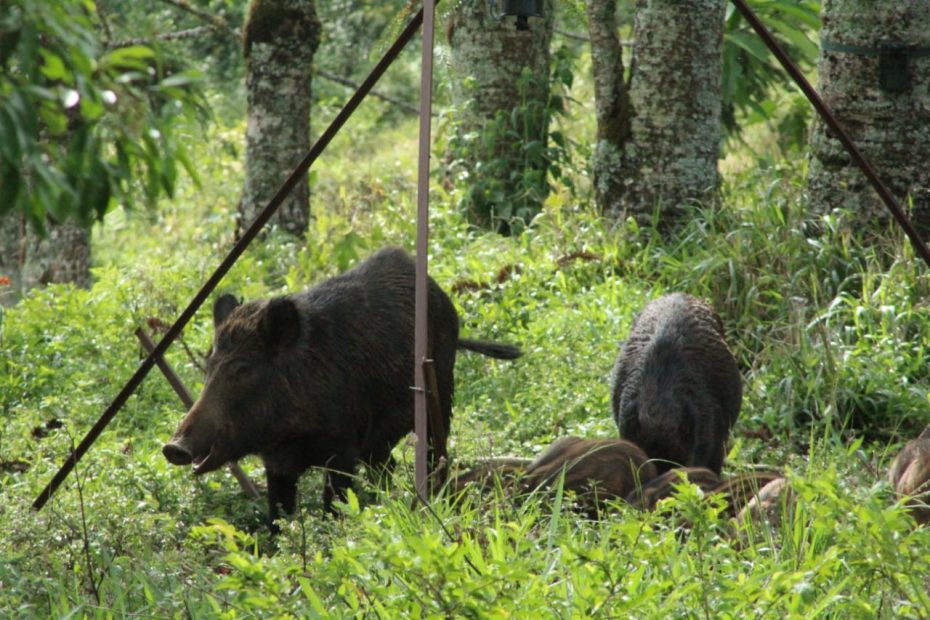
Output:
(280, 324)
(222, 308)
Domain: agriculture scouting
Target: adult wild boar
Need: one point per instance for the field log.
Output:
(676, 386)
(321, 378)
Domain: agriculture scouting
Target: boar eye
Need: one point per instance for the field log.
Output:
(240, 368)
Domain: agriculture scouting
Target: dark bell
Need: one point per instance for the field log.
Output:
(522, 10)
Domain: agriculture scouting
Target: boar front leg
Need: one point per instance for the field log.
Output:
(282, 491)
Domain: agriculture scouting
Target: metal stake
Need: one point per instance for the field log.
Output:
(421, 334)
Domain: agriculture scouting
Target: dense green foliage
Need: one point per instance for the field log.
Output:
(84, 127)
(828, 328)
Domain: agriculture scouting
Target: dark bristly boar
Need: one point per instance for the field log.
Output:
(910, 476)
(676, 386)
(596, 470)
(664, 485)
(321, 378)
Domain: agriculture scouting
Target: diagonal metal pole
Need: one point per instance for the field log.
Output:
(834, 124)
(421, 334)
(296, 176)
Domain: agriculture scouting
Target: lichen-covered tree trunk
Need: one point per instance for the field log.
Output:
(28, 260)
(280, 39)
(501, 86)
(675, 94)
(611, 105)
(883, 101)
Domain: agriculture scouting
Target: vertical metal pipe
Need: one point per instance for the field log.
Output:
(421, 335)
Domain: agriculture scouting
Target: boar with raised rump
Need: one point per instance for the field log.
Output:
(676, 386)
(320, 378)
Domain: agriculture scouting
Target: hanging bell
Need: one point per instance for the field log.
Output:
(522, 10)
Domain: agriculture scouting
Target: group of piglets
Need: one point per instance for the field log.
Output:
(676, 394)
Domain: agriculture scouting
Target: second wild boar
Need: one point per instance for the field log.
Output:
(321, 378)
(596, 470)
(676, 386)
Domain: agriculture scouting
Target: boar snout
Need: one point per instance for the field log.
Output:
(177, 454)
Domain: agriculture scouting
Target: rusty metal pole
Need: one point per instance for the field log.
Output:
(421, 334)
(834, 124)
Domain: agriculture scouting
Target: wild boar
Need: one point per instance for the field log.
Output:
(771, 503)
(676, 386)
(320, 378)
(596, 470)
(741, 489)
(910, 476)
(663, 485)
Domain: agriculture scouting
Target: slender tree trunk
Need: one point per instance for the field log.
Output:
(29, 261)
(501, 85)
(280, 39)
(675, 93)
(611, 105)
(882, 99)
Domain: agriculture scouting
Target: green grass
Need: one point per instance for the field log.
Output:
(829, 332)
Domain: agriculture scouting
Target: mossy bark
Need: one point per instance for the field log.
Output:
(280, 39)
(501, 85)
(611, 105)
(675, 94)
(885, 106)
(31, 261)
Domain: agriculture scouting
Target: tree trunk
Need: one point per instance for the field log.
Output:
(280, 39)
(29, 261)
(501, 85)
(675, 93)
(883, 101)
(611, 105)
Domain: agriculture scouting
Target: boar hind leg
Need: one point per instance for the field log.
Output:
(282, 496)
(337, 483)
(339, 473)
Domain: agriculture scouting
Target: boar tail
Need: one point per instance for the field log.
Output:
(497, 350)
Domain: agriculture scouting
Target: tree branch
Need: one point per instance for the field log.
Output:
(189, 33)
(216, 23)
(392, 100)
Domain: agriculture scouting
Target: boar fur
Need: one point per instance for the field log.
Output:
(910, 476)
(595, 470)
(664, 485)
(676, 386)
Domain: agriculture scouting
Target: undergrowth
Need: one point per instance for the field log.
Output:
(828, 328)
